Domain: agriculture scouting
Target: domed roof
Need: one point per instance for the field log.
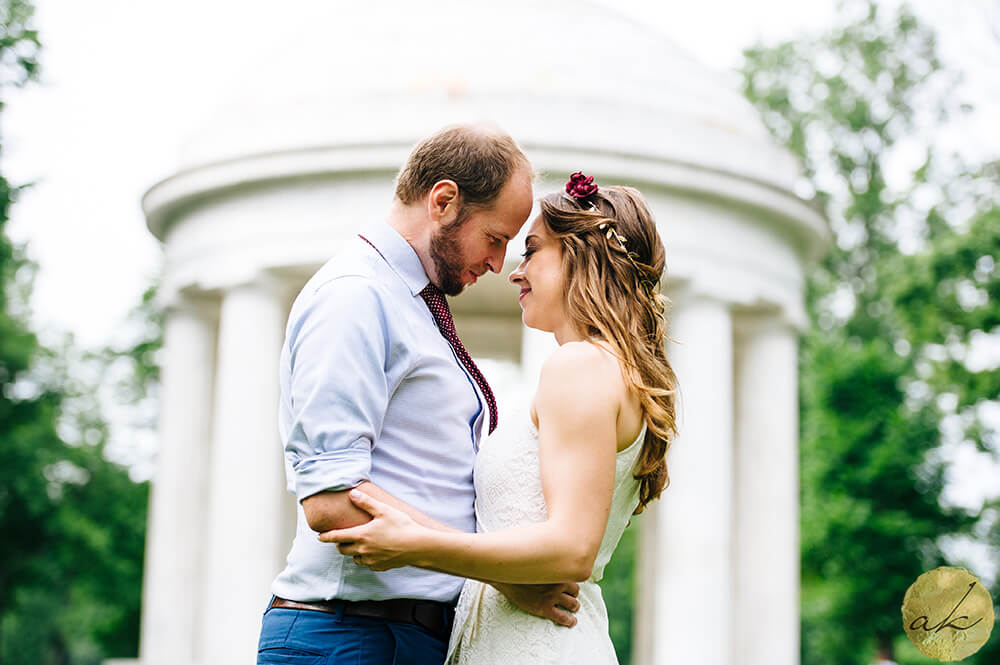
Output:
(556, 75)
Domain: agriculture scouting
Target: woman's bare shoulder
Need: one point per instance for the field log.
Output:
(582, 356)
(582, 369)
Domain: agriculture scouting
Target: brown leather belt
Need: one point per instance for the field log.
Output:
(431, 615)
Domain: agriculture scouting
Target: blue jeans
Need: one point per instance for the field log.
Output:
(306, 637)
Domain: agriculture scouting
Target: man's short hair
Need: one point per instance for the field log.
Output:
(479, 159)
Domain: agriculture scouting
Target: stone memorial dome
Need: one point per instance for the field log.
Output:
(298, 151)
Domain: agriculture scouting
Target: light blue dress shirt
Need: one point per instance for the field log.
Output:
(370, 390)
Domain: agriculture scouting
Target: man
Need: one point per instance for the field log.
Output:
(378, 394)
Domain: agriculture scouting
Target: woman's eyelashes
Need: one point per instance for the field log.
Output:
(527, 253)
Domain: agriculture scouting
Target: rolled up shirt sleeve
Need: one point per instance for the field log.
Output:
(338, 390)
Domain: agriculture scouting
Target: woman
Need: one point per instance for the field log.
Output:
(553, 501)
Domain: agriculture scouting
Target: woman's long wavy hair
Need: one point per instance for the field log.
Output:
(617, 300)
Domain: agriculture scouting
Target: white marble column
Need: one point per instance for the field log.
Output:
(245, 535)
(647, 568)
(174, 540)
(289, 504)
(689, 585)
(767, 492)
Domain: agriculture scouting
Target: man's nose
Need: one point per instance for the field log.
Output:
(495, 261)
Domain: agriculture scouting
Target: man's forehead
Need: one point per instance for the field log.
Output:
(523, 194)
(512, 208)
(508, 224)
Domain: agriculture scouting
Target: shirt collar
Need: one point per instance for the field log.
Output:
(399, 254)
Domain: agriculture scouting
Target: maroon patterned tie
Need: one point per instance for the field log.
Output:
(442, 315)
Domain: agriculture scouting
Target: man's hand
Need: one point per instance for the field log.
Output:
(555, 602)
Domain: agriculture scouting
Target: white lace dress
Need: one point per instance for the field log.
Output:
(489, 629)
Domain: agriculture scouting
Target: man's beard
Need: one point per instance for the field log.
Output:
(447, 253)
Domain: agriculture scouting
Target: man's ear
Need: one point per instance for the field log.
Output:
(443, 202)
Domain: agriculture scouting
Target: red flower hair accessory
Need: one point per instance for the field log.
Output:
(581, 186)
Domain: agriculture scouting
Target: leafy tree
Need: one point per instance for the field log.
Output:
(950, 300)
(77, 597)
(617, 587)
(27, 414)
(883, 303)
(72, 521)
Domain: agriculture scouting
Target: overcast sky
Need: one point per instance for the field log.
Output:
(122, 86)
(124, 81)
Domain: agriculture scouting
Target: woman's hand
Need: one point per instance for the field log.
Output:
(389, 541)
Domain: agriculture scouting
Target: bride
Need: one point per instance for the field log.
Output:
(555, 496)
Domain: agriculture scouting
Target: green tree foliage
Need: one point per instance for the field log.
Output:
(72, 521)
(948, 302)
(913, 272)
(617, 587)
(78, 555)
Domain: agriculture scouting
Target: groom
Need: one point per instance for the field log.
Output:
(378, 394)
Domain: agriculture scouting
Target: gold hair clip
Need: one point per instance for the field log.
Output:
(621, 241)
(579, 189)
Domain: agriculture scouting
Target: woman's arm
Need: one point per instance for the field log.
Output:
(577, 405)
